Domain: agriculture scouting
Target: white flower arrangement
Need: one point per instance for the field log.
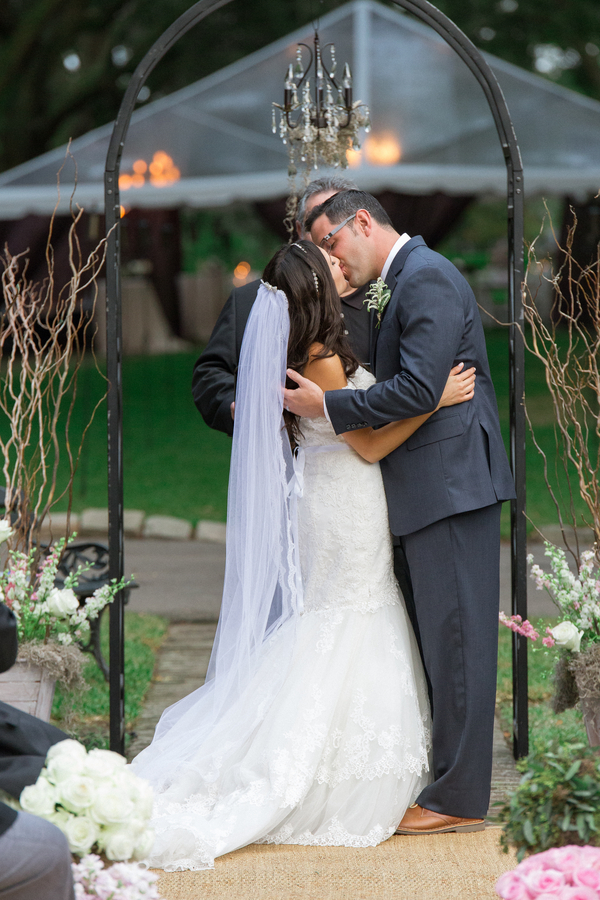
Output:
(576, 596)
(122, 881)
(96, 801)
(44, 610)
(377, 297)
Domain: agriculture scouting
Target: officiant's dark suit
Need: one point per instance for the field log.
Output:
(444, 488)
(213, 382)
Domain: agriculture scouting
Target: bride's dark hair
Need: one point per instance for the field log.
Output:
(301, 272)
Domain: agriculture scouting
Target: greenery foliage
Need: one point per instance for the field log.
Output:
(88, 711)
(227, 235)
(174, 464)
(557, 802)
(544, 725)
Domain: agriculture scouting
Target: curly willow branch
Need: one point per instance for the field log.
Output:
(568, 349)
(44, 332)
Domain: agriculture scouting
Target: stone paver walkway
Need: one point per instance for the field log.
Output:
(183, 580)
(181, 668)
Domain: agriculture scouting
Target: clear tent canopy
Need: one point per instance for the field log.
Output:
(211, 143)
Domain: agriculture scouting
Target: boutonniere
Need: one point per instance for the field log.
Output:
(378, 297)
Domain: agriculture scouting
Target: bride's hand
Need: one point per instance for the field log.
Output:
(459, 387)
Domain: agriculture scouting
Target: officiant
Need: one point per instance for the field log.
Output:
(213, 383)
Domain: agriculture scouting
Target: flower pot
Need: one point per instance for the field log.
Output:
(590, 707)
(29, 688)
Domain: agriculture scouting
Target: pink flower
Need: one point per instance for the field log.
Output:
(515, 623)
(549, 896)
(587, 878)
(538, 861)
(565, 859)
(579, 893)
(548, 641)
(589, 857)
(511, 887)
(544, 881)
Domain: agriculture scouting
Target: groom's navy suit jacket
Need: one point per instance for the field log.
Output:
(456, 461)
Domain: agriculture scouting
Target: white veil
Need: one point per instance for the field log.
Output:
(262, 591)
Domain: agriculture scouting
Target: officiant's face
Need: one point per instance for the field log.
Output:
(313, 200)
(350, 245)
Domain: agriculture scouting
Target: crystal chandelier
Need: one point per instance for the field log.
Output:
(327, 121)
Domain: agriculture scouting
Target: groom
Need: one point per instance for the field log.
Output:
(444, 486)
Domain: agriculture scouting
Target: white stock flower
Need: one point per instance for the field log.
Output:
(39, 798)
(112, 807)
(81, 833)
(144, 844)
(62, 602)
(5, 530)
(567, 636)
(77, 793)
(117, 843)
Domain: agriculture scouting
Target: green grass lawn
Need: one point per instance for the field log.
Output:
(544, 724)
(143, 637)
(175, 465)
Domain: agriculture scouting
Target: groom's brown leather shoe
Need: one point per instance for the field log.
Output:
(418, 820)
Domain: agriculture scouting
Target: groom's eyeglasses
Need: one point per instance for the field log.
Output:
(325, 241)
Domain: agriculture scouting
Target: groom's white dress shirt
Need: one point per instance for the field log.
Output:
(402, 240)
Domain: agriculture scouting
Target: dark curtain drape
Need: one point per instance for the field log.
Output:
(152, 235)
(30, 235)
(431, 215)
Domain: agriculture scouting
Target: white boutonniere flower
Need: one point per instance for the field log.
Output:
(378, 297)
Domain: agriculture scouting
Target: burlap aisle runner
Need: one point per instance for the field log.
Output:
(437, 867)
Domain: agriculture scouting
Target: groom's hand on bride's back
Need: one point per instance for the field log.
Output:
(306, 400)
(460, 386)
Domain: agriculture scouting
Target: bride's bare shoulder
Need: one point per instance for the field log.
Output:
(326, 371)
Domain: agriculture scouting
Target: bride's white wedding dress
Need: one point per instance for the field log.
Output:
(340, 750)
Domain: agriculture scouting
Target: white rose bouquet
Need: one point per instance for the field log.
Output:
(95, 800)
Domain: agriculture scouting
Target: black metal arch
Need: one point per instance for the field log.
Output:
(486, 78)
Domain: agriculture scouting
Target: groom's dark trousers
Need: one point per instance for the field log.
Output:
(444, 488)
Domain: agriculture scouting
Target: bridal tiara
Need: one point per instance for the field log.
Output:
(314, 274)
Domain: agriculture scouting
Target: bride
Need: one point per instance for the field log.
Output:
(313, 725)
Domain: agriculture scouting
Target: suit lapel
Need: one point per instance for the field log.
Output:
(391, 280)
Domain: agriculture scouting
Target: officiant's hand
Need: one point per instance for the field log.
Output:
(306, 400)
